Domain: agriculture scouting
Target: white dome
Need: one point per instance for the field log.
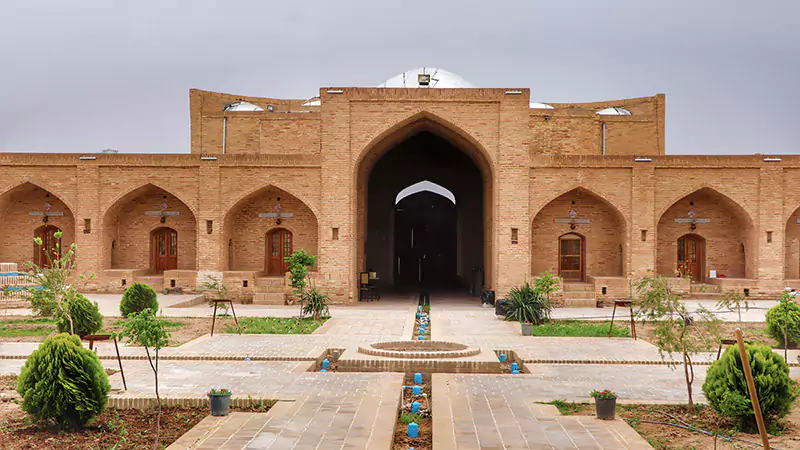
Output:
(614, 111)
(439, 78)
(243, 106)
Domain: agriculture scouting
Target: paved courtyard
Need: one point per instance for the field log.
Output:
(358, 409)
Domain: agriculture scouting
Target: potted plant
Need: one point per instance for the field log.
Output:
(605, 403)
(527, 306)
(220, 401)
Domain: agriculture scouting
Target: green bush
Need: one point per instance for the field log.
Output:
(527, 305)
(786, 314)
(63, 382)
(726, 387)
(86, 317)
(138, 297)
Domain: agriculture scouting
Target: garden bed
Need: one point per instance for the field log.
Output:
(425, 422)
(125, 428)
(785, 435)
(274, 325)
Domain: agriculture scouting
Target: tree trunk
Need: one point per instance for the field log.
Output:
(687, 367)
(158, 398)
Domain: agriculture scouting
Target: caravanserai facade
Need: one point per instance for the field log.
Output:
(425, 181)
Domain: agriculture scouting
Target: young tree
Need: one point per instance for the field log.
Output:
(54, 277)
(145, 329)
(676, 329)
(299, 262)
(218, 291)
(547, 283)
(733, 300)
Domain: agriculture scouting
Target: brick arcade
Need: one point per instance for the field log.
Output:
(436, 185)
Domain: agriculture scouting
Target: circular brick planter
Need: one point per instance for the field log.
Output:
(419, 350)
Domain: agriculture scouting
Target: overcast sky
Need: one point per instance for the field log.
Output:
(86, 75)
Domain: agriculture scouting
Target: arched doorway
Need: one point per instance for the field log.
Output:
(279, 246)
(50, 250)
(581, 235)
(571, 257)
(721, 232)
(691, 256)
(163, 249)
(456, 247)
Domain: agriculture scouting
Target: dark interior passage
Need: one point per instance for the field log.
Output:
(448, 238)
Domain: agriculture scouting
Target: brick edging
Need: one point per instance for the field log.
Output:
(622, 362)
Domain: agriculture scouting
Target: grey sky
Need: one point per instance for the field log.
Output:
(86, 75)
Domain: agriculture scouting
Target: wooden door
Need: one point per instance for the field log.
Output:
(50, 248)
(279, 246)
(571, 257)
(691, 249)
(164, 249)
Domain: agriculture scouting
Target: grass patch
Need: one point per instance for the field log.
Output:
(37, 326)
(567, 408)
(575, 328)
(166, 323)
(276, 325)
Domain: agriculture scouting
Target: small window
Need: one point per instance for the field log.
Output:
(769, 237)
(171, 283)
(515, 235)
(644, 235)
(335, 234)
(87, 226)
(209, 226)
(244, 283)
(124, 281)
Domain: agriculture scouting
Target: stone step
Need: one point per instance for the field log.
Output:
(271, 289)
(580, 303)
(155, 281)
(269, 298)
(270, 281)
(703, 288)
(578, 287)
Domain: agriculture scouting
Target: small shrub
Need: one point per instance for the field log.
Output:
(63, 382)
(315, 304)
(784, 316)
(299, 263)
(86, 317)
(527, 305)
(137, 298)
(726, 387)
(407, 418)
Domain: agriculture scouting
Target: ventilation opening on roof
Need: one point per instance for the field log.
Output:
(614, 111)
(313, 101)
(242, 106)
(537, 105)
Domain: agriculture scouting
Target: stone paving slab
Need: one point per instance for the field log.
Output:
(466, 417)
(352, 420)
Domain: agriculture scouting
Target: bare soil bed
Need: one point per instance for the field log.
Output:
(425, 439)
(663, 437)
(753, 331)
(125, 428)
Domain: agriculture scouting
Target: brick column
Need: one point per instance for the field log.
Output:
(209, 246)
(512, 196)
(337, 262)
(90, 245)
(642, 253)
(768, 256)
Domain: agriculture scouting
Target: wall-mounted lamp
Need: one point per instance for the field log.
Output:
(547, 118)
(335, 91)
(514, 92)
(643, 159)
(88, 158)
(270, 108)
(208, 158)
(772, 159)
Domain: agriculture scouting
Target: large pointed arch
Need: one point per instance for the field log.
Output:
(116, 200)
(731, 249)
(792, 245)
(25, 207)
(402, 132)
(253, 217)
(604, 237)
(129, 220)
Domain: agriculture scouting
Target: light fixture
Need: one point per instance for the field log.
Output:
(335, 91)
(642, 159)
(547, 118)
(208, 158)
(772, 159)
(88, 158)
(514, 92)
(270, 108)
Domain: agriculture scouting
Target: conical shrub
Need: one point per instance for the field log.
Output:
(138, 297)
(63, 382)
(86, 317)
(726, 386)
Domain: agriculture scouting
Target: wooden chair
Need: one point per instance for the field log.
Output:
(366, 290)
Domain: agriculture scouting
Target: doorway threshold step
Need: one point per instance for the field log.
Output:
(269, 298)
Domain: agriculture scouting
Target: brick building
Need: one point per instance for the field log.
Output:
(426, 181)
